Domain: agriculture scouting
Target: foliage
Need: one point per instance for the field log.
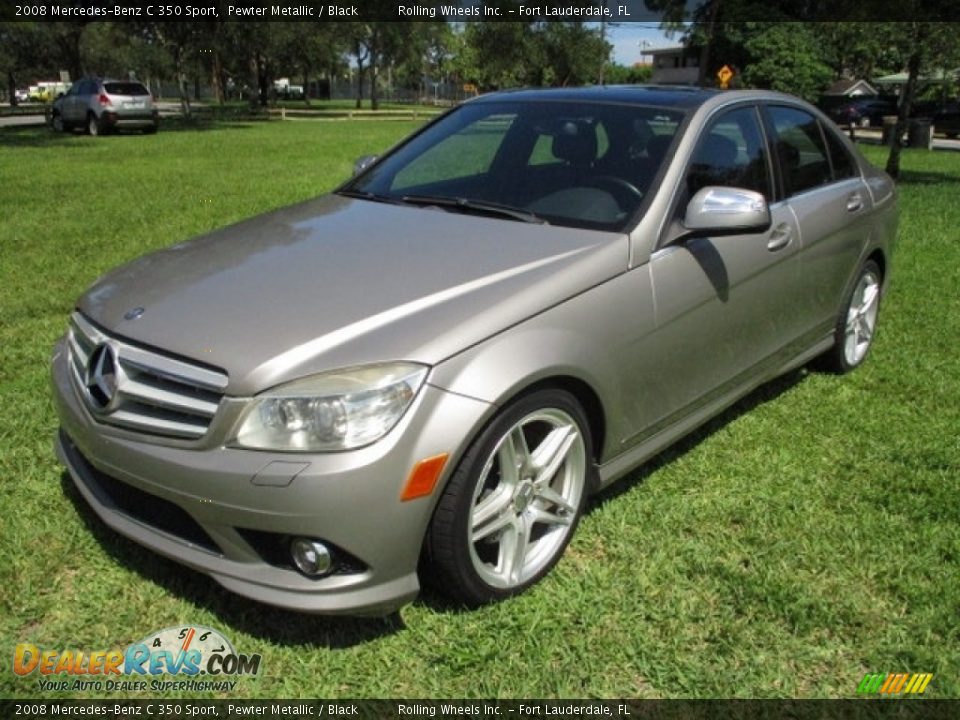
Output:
(785, 57)
(512, 54)
(628, 75)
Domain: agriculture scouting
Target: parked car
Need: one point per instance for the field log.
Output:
(102, 105)
(864, 112)
(946, 119)
(424, 375)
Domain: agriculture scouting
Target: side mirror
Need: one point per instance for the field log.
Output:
(726, 211)
(363, 163)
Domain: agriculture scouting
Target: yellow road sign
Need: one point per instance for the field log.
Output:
(724, 75)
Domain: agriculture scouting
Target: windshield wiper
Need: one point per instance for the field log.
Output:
(367, 195)
(477, 206)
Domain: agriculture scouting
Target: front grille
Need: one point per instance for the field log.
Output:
(140, 389)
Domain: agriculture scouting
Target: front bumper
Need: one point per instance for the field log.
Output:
(228, 512)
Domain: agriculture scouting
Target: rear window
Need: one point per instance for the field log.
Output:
(125, 88)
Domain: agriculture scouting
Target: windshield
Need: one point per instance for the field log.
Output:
(567, 163)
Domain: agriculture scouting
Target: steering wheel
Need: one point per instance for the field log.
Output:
(624, 192)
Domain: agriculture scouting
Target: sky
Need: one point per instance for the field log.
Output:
(626, 39)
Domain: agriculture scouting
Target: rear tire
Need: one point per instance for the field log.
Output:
(856, 324)
(514, 502)
(93, 125)
(59, 126)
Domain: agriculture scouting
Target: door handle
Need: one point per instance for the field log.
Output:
(780, 237)
(854, 202)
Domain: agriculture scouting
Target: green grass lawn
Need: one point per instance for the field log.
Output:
(807, 536)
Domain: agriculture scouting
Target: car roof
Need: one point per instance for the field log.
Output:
(679, 96)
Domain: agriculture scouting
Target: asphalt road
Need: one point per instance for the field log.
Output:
(167, 109)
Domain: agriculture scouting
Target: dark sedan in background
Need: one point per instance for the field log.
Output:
(863, 112)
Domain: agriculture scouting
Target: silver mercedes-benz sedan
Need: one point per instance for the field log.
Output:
(424, 375)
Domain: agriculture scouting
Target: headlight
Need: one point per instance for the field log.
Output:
(338, 410)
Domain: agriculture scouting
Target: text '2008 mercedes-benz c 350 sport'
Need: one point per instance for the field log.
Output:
(425, 374)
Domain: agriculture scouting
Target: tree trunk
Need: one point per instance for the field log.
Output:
(182, 83)
(359, 82)
(906, 101)
(263, 81)
(216, 78)
(374, 71)
(11, 88)
(704, 63)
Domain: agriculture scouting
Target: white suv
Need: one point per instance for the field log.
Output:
(100, 105)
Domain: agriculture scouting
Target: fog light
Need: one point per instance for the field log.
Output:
(311, 557)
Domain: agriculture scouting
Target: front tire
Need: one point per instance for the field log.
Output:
(856, 324)
(57, 123)
(514, 502)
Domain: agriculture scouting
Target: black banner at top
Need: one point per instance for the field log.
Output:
(618, 11)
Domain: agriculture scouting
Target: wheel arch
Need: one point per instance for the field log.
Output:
(587, 398)
(881, 260)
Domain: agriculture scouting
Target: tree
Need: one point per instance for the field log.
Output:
(499, 54)
(22, 54)
(511, 54)
(928, 46)
(628, 75)
(856, 49)
(786, 57)
(310, 49)
(574, 53)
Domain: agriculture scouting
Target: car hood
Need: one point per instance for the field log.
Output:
(336, 282)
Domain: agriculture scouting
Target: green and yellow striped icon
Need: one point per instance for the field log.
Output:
(894, 683)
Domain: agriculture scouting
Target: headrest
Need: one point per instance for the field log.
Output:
(576, 143)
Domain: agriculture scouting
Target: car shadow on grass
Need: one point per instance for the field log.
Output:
(765, 393)
(918, 177)
(282, 627)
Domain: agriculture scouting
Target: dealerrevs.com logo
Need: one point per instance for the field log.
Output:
(185, 652)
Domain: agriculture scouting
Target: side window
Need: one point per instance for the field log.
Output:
(840, 158)
(732, 152)
(803, 158)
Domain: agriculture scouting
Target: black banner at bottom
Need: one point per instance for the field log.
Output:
(865, 709)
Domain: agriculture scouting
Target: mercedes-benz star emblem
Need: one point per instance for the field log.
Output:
(103, 376)
(133, 314)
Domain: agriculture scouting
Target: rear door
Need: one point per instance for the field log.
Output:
(822, 185)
